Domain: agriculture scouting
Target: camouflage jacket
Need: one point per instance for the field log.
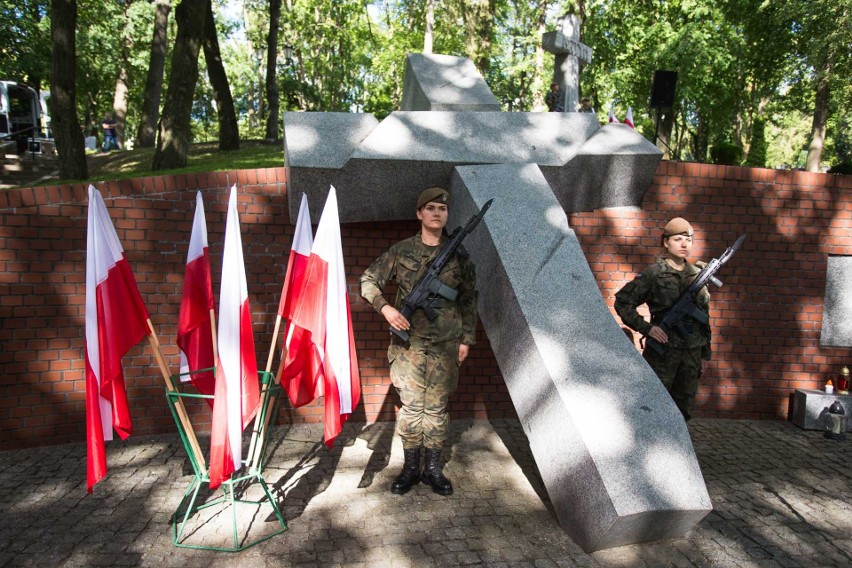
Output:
(404, 263)
(659, 286)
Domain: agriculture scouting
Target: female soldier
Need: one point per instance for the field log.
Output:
(684, 357)
(425, 370)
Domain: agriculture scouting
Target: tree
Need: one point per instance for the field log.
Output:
(147, 135)
(271, 71)
(757, 144)
(174, 129)
(119, 101)
(824, 46)
(430, 25)
(229, 134)
(25, 29)
(479, 31)
(63, 93)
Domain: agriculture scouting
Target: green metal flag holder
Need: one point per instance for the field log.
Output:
(187, 519)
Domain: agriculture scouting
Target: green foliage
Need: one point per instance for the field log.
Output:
(787, 136)
(843, 139)
(726, 154)
(842, 168)
(757, 145)
(746, 68)
(25, 49)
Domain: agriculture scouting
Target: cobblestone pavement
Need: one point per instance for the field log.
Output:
(782, 497)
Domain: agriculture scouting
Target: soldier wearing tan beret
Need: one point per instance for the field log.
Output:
(659, 286)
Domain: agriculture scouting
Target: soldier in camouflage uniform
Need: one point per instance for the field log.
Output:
(425, 370)
(659, 286)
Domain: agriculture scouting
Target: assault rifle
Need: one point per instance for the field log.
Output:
(685, 307)
(429, 289)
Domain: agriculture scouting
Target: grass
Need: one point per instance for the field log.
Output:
(203, 157)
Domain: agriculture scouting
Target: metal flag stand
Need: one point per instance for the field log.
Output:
(234, 490)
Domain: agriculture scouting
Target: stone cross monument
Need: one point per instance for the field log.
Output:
(609, 443)
(570, 54)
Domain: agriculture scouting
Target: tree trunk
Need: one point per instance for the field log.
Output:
(664, 131)
(823, 93)
(119, 99)
(250, 95)
(430, 24)
(229, 132)
(63, 91)
(538, 80)
(271, 71)
(174, 130)
(147, 135)
(701, 142)
(478, 17)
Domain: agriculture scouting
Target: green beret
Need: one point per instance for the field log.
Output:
(436, 194)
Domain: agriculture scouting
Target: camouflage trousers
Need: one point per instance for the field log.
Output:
(424, 375)
(679, 370)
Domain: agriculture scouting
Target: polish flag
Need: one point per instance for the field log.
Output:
(237, 394)
(299, 387)
(628, 120)
(116, 320)
(194, 336)
(612, 117)
(322, 312)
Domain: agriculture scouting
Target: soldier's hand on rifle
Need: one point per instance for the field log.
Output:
(658, 334)
(394, 318)
(463, 350)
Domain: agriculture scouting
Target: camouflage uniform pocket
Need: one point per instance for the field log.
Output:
(393, 352)
(409, 268)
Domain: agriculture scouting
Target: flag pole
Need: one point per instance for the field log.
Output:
(265, 402)
(181, 410)
(272, 345)
(213, 336)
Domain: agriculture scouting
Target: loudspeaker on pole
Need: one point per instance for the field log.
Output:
(663, 89)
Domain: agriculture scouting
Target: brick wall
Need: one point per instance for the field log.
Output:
(42, 300)
(766, 319)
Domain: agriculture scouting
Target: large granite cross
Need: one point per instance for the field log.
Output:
(609, 443)
(570, 54)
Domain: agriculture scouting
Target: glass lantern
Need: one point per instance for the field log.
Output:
(835, 422)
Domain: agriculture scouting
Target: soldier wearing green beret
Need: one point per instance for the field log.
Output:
(684, 358)
(425, 370)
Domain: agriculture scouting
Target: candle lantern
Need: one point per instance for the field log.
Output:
(843, 381)
(835, 422)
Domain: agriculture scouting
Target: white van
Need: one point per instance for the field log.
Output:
(21, 115)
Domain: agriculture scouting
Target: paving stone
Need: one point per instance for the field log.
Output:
(126, 521)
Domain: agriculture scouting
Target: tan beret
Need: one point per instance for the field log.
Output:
(436, 194)
(678, 226)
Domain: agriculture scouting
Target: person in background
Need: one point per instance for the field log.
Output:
(553, 99)
(109, 125)
(586, 105)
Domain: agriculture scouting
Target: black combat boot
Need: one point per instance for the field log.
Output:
(410, 474)
(432, 475)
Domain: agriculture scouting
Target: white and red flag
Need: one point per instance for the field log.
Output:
(195, 336)
(323, 314)
(237, 393)
(612, 116)
(116, 320)
(299, 386)
(628, 120)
